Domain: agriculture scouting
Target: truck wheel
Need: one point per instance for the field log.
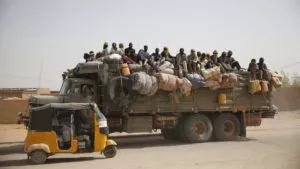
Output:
(226, 127)
(38, 157)
(197, 128)
(110, 151)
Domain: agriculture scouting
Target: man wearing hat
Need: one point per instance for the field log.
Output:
(121, 49)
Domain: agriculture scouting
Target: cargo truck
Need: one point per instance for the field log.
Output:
(200, 117)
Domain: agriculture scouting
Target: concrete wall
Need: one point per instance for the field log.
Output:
(287, 99)
(9, 110)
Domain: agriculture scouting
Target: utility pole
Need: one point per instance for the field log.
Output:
(40, 76)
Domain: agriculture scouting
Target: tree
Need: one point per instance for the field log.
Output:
(295, 79)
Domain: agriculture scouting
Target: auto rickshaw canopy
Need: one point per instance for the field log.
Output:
(41, 117)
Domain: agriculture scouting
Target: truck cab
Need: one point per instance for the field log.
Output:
(72, 90)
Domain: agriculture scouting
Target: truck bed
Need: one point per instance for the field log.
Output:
(203, 100)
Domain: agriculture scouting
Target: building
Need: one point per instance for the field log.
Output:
(14, 100)
(24, 93)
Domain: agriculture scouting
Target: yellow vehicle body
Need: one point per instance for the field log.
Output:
(46, 142)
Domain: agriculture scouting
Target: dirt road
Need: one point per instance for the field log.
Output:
(274, 145)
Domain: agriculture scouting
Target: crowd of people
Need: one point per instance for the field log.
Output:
(194, 62)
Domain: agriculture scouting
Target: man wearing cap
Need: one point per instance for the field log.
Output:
(130, 52)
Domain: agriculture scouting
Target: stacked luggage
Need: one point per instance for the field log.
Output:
(147, 82)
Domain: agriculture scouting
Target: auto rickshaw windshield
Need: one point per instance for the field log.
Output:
(99, 114)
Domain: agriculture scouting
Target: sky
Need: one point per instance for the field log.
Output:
(39, 39)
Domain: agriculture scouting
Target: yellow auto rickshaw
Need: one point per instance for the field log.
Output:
(67, 128)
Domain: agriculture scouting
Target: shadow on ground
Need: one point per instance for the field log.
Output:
(24, 162)
(124, 142)
(16, 142)
(12, 149)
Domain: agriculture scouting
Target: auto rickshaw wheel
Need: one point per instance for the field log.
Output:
(110, 151)
(38, 157)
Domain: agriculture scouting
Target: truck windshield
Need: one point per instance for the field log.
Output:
(65, 88)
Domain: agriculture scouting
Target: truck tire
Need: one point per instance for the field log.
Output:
(227, 127)
(114, 94)
(197, 128)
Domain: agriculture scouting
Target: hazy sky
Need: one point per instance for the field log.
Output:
(60, 31)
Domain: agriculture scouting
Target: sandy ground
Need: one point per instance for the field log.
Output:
(273, 145)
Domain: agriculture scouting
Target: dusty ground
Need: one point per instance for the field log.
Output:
(274, 145)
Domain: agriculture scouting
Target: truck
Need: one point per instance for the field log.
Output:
(199, 117)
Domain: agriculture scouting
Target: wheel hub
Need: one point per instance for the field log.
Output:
(229, 127)
(200, 127)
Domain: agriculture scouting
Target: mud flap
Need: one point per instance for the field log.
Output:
(242, 118)
(110, 142)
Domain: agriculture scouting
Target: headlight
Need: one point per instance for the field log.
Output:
(102, 123)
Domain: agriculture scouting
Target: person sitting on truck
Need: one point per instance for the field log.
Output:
(114, 49)
(155, 57)
(166, 55)
(130, 52)
(199, 54)
(262, 69)
(225, 67)
(192, 62)
(104, 51)
(91, 55)
(180, 62)
(86, 57)
(252, 69)
(209, 63)
(212, 60)
(121, 49)
(143, 56)
(203, 61)
(233, 63)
